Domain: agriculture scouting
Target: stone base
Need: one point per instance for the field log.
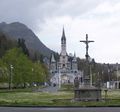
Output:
(87, 94)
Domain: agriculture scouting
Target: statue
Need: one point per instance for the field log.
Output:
(87, 46)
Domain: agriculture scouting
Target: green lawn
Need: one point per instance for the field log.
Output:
(29, 98)
(32, 98)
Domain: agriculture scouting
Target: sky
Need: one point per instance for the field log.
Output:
(100, 19)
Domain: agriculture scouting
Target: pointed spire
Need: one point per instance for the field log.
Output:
(63, 35)
(53, 58)
(63, 32)
(74, 58)
(74, 54)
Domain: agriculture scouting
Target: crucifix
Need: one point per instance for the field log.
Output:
(87, 46)
(87, 75)
(87, 92)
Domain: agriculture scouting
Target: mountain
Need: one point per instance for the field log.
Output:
(18, 30)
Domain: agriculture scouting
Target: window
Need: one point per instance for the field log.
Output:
(63, 65)
(63, 57)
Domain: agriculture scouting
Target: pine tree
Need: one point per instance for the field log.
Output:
(21, 44)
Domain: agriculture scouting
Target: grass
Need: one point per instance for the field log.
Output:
(67, 87)
(32, 98)
(27, 97)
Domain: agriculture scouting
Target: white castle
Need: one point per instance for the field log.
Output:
(65, 69)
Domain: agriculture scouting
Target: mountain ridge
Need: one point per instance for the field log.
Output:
(18, 30)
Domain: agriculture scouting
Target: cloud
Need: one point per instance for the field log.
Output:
(103, 27)
(98, 18)
(33, 12)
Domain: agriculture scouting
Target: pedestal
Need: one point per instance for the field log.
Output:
(87, 94)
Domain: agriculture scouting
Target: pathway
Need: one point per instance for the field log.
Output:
(50, 89)
(41, 109)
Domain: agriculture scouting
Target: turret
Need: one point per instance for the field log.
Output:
(53, 64)
(53, 59)
(74, 58)
(74, 63)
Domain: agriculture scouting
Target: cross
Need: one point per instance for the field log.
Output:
(87, 42)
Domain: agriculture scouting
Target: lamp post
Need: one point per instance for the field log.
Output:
(117, 75)
(102, 78)
(91, 74)
(109, 73)
(59, 75)
(32, 84)
(10, 80)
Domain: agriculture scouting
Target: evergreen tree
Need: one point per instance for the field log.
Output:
(21, 44)
(5, 44)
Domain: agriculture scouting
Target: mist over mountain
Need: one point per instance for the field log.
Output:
(18, 30)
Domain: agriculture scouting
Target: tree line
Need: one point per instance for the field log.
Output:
(101, 72)
(17, 69)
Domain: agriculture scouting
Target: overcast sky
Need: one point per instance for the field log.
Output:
(100, 19)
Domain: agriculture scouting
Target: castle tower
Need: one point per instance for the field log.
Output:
(53, 59)
(63, 62)
(74, 63)
(53, 64)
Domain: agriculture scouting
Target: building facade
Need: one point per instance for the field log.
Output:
(65, 69)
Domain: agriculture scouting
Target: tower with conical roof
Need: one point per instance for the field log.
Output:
(53, 64)
(53, 58)
(63, 62)
(74, 63)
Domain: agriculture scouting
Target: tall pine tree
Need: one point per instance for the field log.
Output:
(21, 44)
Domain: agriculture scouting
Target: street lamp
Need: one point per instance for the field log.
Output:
(90, 74)
(59, 77)
(32, 76)
(10, 80)
(117, 75)
(109, 73)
